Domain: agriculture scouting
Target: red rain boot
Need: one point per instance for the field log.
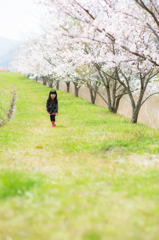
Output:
(52, 124)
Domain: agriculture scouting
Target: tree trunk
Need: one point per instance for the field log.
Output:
(109, 98)
(136, 109)
(93, 96)
(44, 80)
(135, 113)
(68, 86)
(50, 84)
(116, 105)
(76, 89)
(57, 84)
(36, 78)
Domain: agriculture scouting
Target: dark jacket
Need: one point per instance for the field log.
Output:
(52, 106)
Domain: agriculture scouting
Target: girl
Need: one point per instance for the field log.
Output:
(52, 106)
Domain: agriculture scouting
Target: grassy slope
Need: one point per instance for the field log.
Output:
(6, 93)
(87, 179)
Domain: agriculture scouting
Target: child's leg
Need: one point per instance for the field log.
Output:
(52, 118)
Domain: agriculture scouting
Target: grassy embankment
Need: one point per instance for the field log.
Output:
(6, 93)
(93, 177)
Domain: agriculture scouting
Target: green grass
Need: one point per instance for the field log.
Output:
(93, 177)
(6, 93)
(17, 183)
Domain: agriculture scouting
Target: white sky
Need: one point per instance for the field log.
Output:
(19, 18)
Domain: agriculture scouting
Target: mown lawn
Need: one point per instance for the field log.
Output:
(93, 177)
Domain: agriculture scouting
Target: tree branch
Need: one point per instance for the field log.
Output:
(149, 97)
(142, 4)
(153, 30)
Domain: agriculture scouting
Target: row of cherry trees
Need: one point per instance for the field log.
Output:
(98, 43)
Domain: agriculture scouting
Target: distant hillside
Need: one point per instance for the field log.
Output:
(7, 47)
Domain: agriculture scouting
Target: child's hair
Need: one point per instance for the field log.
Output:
(52, 92)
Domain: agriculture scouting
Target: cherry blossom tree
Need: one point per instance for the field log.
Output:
(125, 36)
(151, 7)
(113, 37)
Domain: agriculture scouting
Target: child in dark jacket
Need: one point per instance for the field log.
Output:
(52, 106)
